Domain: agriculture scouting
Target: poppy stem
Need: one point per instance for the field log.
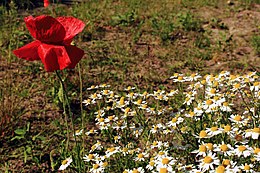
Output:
(66, 102)
(64, 108)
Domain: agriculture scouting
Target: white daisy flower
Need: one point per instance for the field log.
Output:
(209, 162)
(65, 163)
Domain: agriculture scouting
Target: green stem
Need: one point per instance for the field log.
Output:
(81, 111)
(65, 95)
(64, 110)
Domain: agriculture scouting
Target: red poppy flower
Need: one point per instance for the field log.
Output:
(53, 42)
(46, 3)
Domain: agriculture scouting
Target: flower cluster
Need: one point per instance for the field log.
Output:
(203, 124)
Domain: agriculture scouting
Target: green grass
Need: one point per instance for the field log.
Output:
(136, 43)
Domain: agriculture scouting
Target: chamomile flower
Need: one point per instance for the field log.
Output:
(238, 119)
(141, 156)
(111, 151)
(253, 133)
(213, 131)
(97, 168)
(137, 170)
(223, 148)
(175, 121)
(247, 167)
(96, 146)
(65, 163)
(209, 162)
(255, 87)
(157, 128)
(91, 132)
(151, 164)
(242, 150)
(129, 88)
(202, 135)
(78, 132)
(90, 157)
(117, 138)
(202, 151)
(193, 77)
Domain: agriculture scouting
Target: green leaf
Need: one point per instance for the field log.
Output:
(60, 94)
(17, 137)
(20, 131)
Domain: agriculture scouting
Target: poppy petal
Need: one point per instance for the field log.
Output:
(72, 26)
(75, 55)
(53, 57)
(45, 28)
(29, 51)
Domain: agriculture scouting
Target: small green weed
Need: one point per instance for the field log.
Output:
(255, 41)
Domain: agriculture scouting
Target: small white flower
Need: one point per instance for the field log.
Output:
(65, 163)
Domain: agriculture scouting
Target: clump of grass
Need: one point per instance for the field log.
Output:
(255, 41)
(203, 123)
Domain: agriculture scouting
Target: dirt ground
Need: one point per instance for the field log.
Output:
(234, 27)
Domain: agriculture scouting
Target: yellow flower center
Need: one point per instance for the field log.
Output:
(256, 83)
(135, 171)
(193, 75)
(203, 134)
(96, 166)
(213, 129)
(246, 167)
(163, 170)
(226, 162)
(161, 153)
(94, 95)
(227, 128)
(111, 117)
(105, 91)
(191, 113)
(224, 147)
(236, 86)
(105, 164)
(180, 78)
(91, 156)
(256, 130)
(140, 156)
(125, 149)
(241, 148)
(151, 163)
(144, 106)
(101, 120)
(111, 149)
(202, 148)
(122, 101)
(174, 120)
(256, 151)
(210, 146)
(209, 102)
(64, 162)
(225, 104)
(238, 118)
(165, 161)
(131, 94)
(212, 91)
(208, 159)
(139, 101)
(203, 82)
(220, 169)
(160, 97)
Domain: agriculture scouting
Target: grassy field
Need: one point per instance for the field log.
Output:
(165, 51)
